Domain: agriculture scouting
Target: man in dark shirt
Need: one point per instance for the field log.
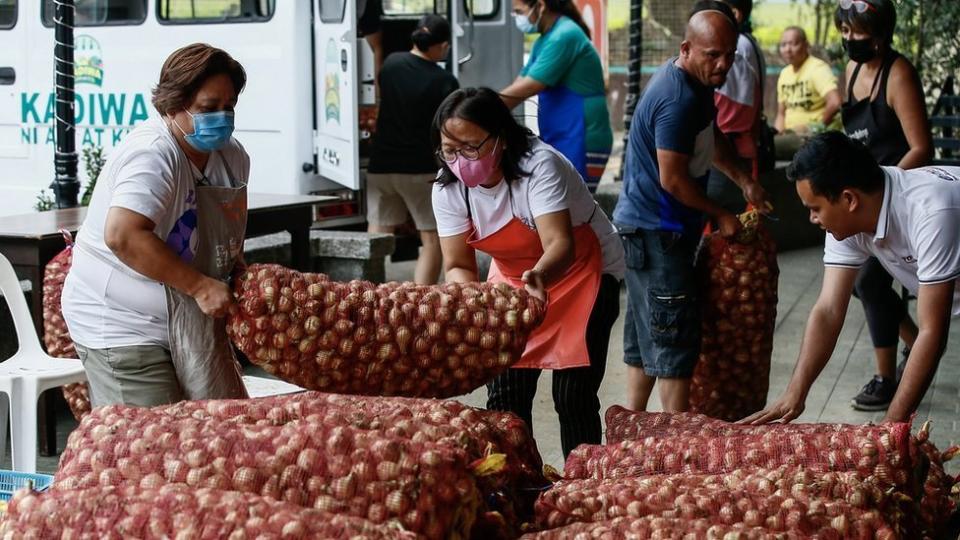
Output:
(402, 164)
(661, 209)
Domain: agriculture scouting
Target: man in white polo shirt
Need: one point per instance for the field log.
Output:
(909, 221)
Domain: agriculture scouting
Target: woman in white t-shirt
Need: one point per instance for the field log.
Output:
(147, 293)
(504, 192)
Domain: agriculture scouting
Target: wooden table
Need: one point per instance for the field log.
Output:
(29, 241)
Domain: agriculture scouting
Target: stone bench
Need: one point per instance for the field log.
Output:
(342, 255)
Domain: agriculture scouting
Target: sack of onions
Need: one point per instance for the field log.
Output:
(176, 511)
(477, 431)
(427, 487)
(732, 375)
(883, 451)
(504, 455)
(935, 504)
(625, 425)
(780, 500)
(707, 528)
(938, 503)
(390, 339)
(56, 337)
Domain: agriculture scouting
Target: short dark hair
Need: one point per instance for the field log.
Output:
(431, 30)
(833, 162)
(185, 71)
(483, 107)
(714, 5)
(880, 22)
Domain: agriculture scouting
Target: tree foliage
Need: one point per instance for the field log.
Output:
(93, 162)
(928, 32)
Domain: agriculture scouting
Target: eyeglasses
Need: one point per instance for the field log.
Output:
(468, 152)
(858, 5)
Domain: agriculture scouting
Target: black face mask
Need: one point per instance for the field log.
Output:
(860, 50)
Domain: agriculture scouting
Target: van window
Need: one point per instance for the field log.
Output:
(100, 12)
(8, 13)
(482, 9)
(409, 7)
(331, 11)
(214, 11)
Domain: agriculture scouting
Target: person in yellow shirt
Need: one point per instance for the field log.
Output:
(808, 100)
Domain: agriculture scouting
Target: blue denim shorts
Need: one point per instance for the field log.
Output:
(661, 333)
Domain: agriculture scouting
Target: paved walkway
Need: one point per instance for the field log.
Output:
(850, 367)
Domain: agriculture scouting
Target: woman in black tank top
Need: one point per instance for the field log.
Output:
(884, 110)
(872, 120)
(885, 107)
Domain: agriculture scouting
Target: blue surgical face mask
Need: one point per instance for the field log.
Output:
(211, 130)
(524, 25)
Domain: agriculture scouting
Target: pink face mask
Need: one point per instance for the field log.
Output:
(473, 173)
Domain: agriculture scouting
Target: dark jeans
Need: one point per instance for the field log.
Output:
(575, 389)
(884, 309)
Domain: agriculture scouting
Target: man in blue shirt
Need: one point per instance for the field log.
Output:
(672, 143)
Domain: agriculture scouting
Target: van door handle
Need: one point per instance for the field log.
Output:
(7, 75)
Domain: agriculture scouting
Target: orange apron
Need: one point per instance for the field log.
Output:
(561, 341)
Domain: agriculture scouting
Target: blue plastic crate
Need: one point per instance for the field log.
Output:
(11, 481)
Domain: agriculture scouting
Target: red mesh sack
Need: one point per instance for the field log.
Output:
(870, 526)
(390, 339)
(883, 451)
(508, 485)
(935, 507)
(780, 500)
(732, 376)
(478, 432)
(427, 487)
(661, 528)
(56, 337)
(176, 511)
(937, 504)
(626, 425)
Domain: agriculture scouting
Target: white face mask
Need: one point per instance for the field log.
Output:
(524, 25)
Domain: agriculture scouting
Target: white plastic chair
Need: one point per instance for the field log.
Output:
(25, 375)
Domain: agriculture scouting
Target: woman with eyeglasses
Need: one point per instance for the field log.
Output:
(565, 73)
(885, 110)
(503, 191)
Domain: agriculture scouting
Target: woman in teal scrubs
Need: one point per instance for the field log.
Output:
(565, 72)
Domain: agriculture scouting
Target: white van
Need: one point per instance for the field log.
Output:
(308, 75)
